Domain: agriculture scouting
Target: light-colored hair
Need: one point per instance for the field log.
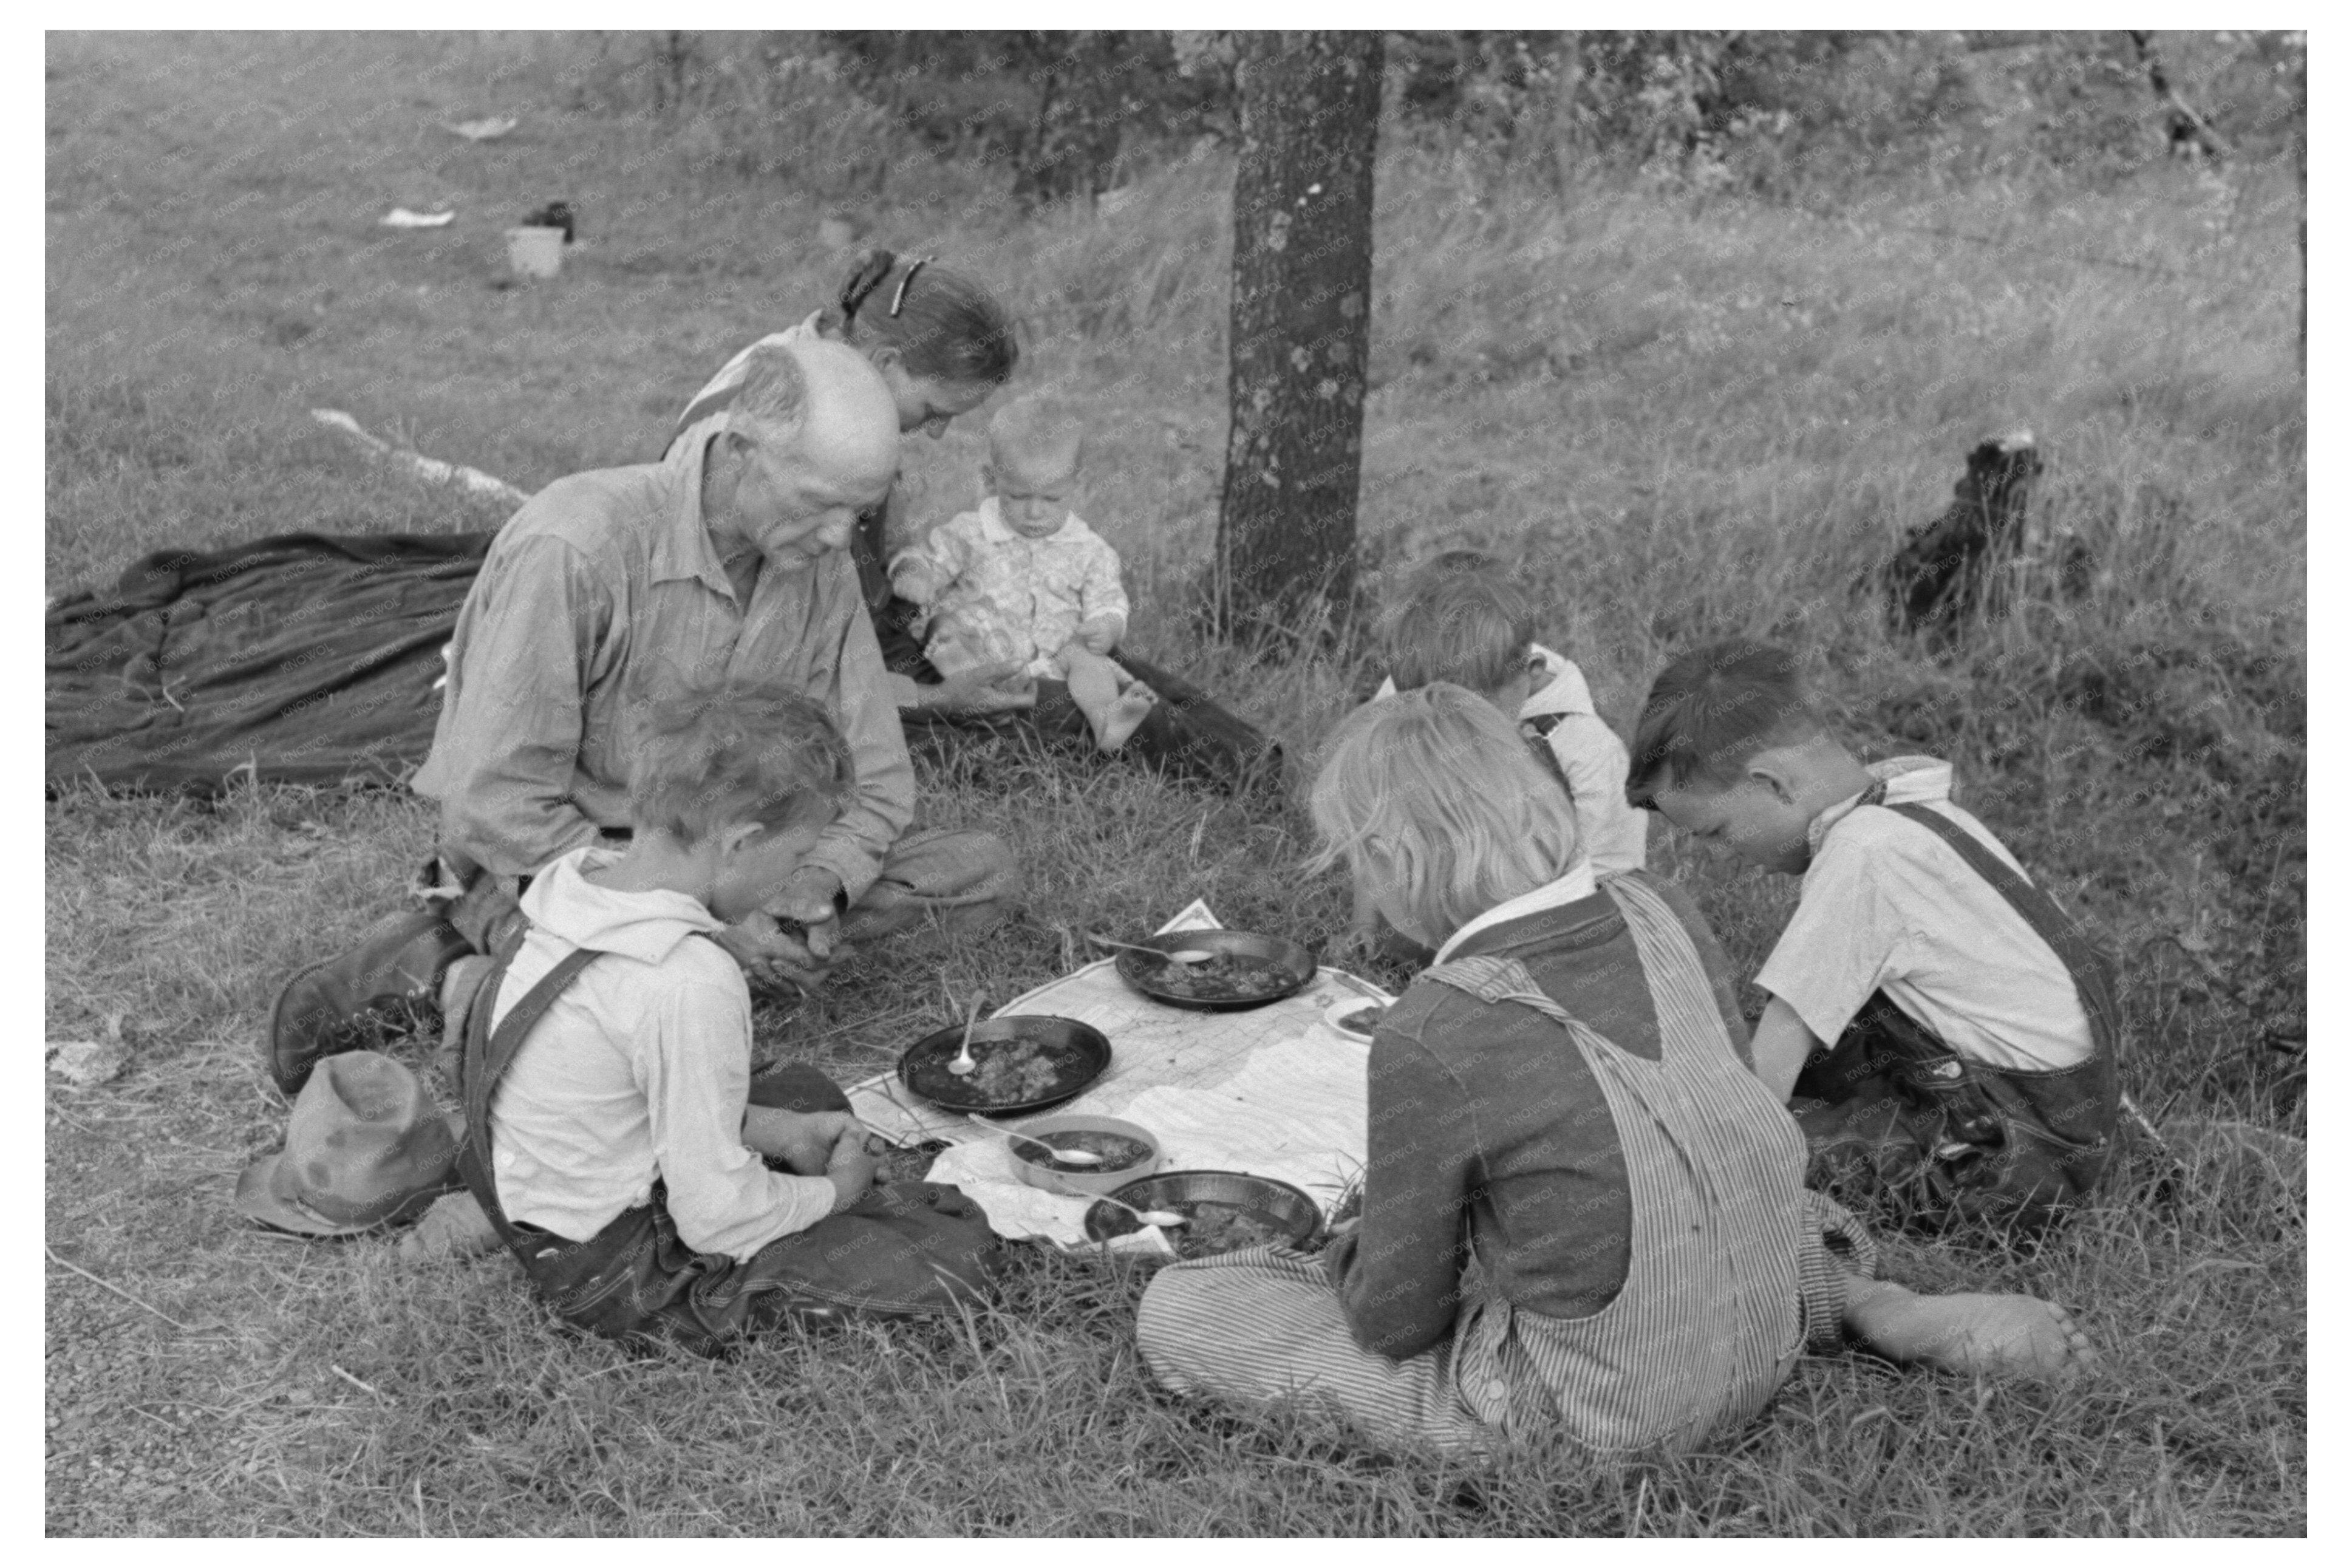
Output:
(1038, 427)
(1438, 787)
(773, 393)
(1470, 627)
(713, 757)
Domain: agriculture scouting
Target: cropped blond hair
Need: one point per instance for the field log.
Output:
(1438, 788)
(1038, 428)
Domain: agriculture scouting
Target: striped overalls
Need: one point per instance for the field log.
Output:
(1729, 1276)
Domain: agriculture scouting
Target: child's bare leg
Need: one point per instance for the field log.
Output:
(2020, 1336)
(1113, 701)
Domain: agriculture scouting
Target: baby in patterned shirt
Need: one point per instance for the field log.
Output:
(1022, 577)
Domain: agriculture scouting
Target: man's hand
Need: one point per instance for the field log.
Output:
(851, 1169)
(773, 958)
(1099, 635)
(996, 688)
(804, 1141)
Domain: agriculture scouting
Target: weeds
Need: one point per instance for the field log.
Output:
(1685, 418)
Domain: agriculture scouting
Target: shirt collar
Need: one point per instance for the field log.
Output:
(1567, 889)
(645, 926)
(1563, 691)
(684, 547)
(1898, 779)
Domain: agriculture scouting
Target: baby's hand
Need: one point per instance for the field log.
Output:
(1097, 635)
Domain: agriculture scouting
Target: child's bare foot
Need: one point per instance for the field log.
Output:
(2020, 1336)
(1119, 721)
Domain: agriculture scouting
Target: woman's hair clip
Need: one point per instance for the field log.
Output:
(867, 278)
(916, 266)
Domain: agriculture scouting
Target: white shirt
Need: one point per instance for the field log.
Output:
(642, 1068)
(1575, 883)
(1888, 905)
(1615, 835)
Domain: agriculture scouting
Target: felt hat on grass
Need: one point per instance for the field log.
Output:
(365, 1147)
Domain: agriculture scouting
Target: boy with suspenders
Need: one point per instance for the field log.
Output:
(1945, 1035)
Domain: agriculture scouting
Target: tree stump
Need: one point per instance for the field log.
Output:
(1956, 569)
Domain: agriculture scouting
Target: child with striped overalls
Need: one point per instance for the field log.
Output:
(1582, 1213)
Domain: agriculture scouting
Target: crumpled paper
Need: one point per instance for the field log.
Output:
(85, 1064)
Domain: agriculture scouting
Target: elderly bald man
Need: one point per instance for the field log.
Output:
(603, 592)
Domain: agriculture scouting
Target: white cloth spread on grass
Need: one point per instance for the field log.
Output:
(1273, 1092)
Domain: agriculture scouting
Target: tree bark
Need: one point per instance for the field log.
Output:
(1301, 332)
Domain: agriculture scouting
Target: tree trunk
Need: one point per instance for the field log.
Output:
(1301, 332)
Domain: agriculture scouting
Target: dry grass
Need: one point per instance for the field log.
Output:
(1690, 419)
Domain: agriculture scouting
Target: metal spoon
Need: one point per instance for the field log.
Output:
(1163, 1218)
(1181, 955)
(1071, 1156)
(963, 1066)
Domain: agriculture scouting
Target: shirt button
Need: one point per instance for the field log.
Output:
(1496, 1389)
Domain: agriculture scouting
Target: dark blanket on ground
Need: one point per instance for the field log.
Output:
(309, 658)
(315, 659)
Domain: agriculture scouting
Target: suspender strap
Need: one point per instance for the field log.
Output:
(489, 1053)
(2094, 978)
(1547, 759)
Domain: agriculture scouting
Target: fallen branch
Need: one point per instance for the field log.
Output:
(417, 463)
(2182, 124)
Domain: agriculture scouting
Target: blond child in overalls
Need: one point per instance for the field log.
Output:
(1583, 1213)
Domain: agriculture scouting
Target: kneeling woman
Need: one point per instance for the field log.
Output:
(1582, 1212)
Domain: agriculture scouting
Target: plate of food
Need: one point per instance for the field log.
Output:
(1239, 969)
(1027, 1061)
(1355, 1017)
(1122, 1151)
(1224, 1211)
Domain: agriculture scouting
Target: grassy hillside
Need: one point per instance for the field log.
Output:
(1689, 417)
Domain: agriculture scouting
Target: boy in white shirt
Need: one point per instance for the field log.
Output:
(1023, 577)
(1464, 621)
(1950, 1034)
(614, 1138)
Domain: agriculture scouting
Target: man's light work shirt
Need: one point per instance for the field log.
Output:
(599, 594)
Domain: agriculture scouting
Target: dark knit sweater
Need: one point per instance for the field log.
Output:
(1490, 1109)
